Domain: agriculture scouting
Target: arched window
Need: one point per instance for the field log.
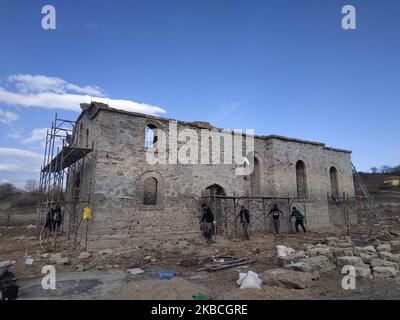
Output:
(301, 179)
(87, 138)
(80, 134)
(150, 136)
(255, 178)
(150, 191)
(333, 174)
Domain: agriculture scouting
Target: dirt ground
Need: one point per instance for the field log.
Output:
(104, 276)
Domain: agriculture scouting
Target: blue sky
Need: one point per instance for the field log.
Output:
(279, 67)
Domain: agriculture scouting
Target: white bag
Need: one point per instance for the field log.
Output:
(249, 280)
(284, 251)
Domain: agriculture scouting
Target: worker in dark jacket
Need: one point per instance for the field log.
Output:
(276, 213)
(50, 223)
(207, 218)
(245, 221)
(299, 219)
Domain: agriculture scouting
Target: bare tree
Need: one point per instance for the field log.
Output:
(385, 169)
(374, 170)
(7, 190)
(31, 186)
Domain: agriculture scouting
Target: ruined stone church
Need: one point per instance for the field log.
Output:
(136, 204)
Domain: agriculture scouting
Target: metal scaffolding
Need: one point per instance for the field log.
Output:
(60, 162)
(259, 207)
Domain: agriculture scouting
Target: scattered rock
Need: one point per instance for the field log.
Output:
(396, 258)
(363, 272)
(384, 272)
(386, 256)
(84, 255)
(385, 247)
(105, 252)
(135, 271)
(331, 241)
(367, 258)
(320, 251)
(340, 252)
(367, 249)
(288, 278)
(344, 244)
(350, 260)
(293, 258)
(318, 263)
(383, 263)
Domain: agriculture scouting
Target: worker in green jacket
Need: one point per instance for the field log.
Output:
(299, 219)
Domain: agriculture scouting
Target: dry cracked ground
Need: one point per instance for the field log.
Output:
(312, 270)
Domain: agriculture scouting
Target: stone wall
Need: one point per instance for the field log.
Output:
(118, 168)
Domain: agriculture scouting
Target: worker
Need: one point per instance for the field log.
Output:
(50, 224)
(245, 221)
(207, 219)
(276, 213)
(299, 219)
(57, 218)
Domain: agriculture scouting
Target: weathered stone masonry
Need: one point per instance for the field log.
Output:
(138, 204)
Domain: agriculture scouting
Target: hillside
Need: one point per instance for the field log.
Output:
(387, 197)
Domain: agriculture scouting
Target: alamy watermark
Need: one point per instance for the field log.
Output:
(202, 146)
(349, 280)
(49, 20)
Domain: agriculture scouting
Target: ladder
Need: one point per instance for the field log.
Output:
(367, 195)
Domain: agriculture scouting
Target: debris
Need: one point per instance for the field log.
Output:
(84, 255)
(147, 258)
(4, 266)
(386, 256)
(28, 261)
(199, 275)
(350, 260)
(225, 262)
(384, 272)
(290, 279)
(367, 258)
(320, 251)
(105, 252)
(363, 272)
(31, 226)
(199, 296)
(386, 247)
(58, 259)
(249, 280)
(284, 251)
(135, 271)
(318, 263)
(166, 275)
(383, 263)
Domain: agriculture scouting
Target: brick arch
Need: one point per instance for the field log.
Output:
(151, 177)
(256, 177)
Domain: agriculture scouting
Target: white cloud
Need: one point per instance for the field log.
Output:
(7, 117)
(26, 83)
(398, 152)
(19, 154)
(38, 134)
(18, 165)
(9, 167)
(55, 93)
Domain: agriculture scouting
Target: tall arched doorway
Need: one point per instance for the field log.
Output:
(216, 204)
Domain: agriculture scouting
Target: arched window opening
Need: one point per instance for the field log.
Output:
(150, 191)
(80, 134)
(87, 138)
(333, 174)
(301, 179)
(150, 136)
(255, 178)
